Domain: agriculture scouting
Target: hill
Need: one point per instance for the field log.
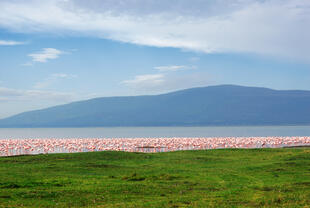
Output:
(214, 105)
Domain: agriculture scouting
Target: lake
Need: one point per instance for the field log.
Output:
(117, 132)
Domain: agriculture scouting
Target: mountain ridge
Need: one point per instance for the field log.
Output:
(219, 105)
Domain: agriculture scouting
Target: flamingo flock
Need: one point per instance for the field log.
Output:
(10, 147)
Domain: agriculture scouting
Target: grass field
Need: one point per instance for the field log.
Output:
(212, 178)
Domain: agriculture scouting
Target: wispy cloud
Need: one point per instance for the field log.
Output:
(20, 100)
(52, 80)
(7, 92)
(45, 55)
(62, 75)
(173, 68)
(194, 59)
(10, 43)
(10, 94)
(27, 64)
(146, 80)
(269, 27)
(160, 83)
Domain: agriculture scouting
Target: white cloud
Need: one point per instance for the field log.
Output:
(161, 83)
(194, 59)
(145, 81)
(20, 100)
(27, 64)
(7, 92)
(52, 80)
(173, 68)
(62, 75)
(10, 43)
(45, 55)
(10, 94)
(268, 27)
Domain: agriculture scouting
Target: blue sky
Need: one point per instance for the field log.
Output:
(59, 51)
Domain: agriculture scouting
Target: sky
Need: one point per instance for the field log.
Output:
(54, 52)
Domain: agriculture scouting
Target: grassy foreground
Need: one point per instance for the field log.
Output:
(212, 178)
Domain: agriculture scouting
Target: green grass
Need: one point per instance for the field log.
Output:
(212, 178)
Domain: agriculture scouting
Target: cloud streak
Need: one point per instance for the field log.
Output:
(45, 55)
(10, 43)
(32, 99)
(145, 81)
(271, 27)
(10, 94)
(19, 100)
(52, 79)
(161, 83)
(173, 68)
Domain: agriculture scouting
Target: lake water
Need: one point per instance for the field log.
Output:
(118, 132)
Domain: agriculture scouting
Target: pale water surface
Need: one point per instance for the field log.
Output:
(118, 132)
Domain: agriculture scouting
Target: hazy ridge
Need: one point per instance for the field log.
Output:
(214, 105)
